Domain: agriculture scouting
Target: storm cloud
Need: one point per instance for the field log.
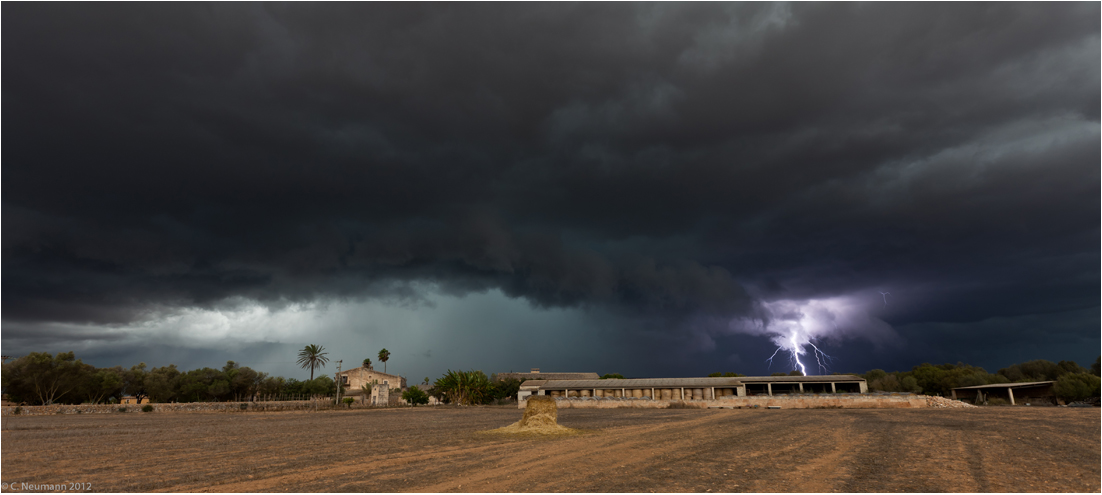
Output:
(657, 170)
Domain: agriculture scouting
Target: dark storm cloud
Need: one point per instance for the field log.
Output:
(674, 160)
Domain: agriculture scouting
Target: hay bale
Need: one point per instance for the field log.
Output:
(667, 394)
(698, 394)
(540, 411)
(541, 417)
(599, 392)
(637, 393)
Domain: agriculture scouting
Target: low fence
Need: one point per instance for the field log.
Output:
(831, 401)
(298, 405)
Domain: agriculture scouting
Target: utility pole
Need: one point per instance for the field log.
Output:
(339, 381)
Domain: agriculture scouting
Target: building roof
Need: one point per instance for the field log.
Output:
(801, 379)
(633, 383)
(1006, 385)
(550, 376)
(373, 370)
(683, 382)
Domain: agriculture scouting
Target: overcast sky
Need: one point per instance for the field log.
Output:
(649, 189)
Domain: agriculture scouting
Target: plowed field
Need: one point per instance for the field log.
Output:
(997, 449)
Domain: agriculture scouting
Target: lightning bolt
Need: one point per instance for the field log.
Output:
(798, 349)
(820, 358)
(885, 296)
(773, 356)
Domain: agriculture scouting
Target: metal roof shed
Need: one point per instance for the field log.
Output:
(1031, 390)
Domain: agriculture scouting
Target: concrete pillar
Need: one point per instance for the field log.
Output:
(682, 393)
(769, 387)
(652, 393)
(833, 388)
(713, 397)
(864, 387)
(1011, 392)
(801, 384)
(741, 391)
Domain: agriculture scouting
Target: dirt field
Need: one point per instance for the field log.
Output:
(439, 450)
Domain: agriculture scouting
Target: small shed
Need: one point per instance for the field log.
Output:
(1015, 392)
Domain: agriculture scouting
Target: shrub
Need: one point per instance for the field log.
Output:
(243, 406)
(464, 387)
(1073, 387)
(415, 396)
(348, 401)
(147, 408)
(122, 409)
(18, 410)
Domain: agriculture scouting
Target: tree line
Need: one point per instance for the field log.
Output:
(39, 378)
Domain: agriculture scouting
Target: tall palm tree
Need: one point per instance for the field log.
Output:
(312, 357)
(384, 355)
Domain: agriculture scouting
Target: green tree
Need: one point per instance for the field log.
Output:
(44, 379)
(384, 356)
(506, 388)
(463, 387)
(104, 383)
(163, 384)
(313, 357)
(1076, 386)
(134, 382)
(415, 396)
(367, 362)
(795, 373)
(607, 376)
(1096, 368)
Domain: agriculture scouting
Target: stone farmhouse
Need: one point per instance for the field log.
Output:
(381, 384)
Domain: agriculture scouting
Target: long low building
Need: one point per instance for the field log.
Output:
(694, 388)
(1023, 391)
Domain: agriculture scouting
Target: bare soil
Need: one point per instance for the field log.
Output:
(994, 449)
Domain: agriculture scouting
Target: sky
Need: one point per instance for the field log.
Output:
(647, 189)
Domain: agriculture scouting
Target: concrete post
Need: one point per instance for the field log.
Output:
(682, 393)
(769, 387)
(713, 393)
(833, 389)
(652, 393)
(801, 384)
(1011, 392)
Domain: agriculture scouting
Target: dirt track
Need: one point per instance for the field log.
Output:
(427, 450)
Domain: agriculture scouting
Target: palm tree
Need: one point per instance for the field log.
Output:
(367, 362)
(312, 357)
(384, 355)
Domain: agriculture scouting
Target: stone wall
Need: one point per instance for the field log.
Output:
(297, 405)
(833, 401)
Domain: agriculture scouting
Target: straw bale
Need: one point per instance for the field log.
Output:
(541, 417)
